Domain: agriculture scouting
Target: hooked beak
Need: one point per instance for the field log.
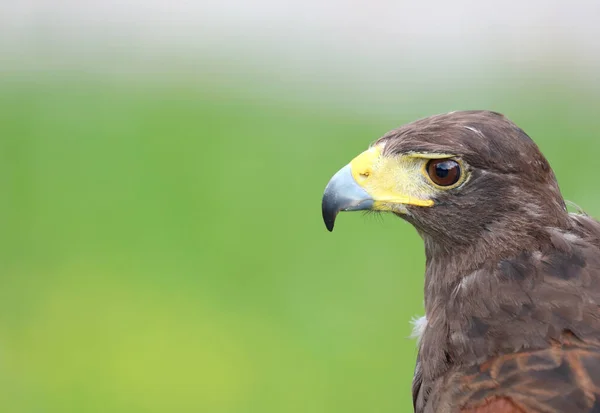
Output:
(343, 193)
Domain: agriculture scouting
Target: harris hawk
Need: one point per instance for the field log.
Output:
(512, 280)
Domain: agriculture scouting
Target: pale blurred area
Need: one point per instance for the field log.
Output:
(161, 170)
(356, 50)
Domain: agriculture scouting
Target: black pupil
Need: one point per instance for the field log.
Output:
(442, 169)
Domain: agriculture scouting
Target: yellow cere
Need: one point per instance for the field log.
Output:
(392, 180)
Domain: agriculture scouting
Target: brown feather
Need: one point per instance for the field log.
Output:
(495, 405)
(553, 380)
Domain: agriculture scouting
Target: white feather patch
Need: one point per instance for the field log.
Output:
(419, 325)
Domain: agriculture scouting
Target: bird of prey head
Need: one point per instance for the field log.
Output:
(512, 283)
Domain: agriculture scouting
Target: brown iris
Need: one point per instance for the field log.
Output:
(443, 172)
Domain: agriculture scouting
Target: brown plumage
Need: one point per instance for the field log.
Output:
(512, 283)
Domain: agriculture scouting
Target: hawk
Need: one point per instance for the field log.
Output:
(512, 280)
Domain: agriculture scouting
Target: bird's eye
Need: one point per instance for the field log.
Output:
(443, 172)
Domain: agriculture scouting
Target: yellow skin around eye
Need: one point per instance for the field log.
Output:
(396, 181)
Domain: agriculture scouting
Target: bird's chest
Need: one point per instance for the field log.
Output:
(436, 345)
(440, 395)
(448, 348)
(453, 350)
(444, 342)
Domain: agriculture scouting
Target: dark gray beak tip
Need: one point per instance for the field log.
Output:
(329, 215)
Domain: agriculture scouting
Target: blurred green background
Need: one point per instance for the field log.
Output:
(161, 242)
